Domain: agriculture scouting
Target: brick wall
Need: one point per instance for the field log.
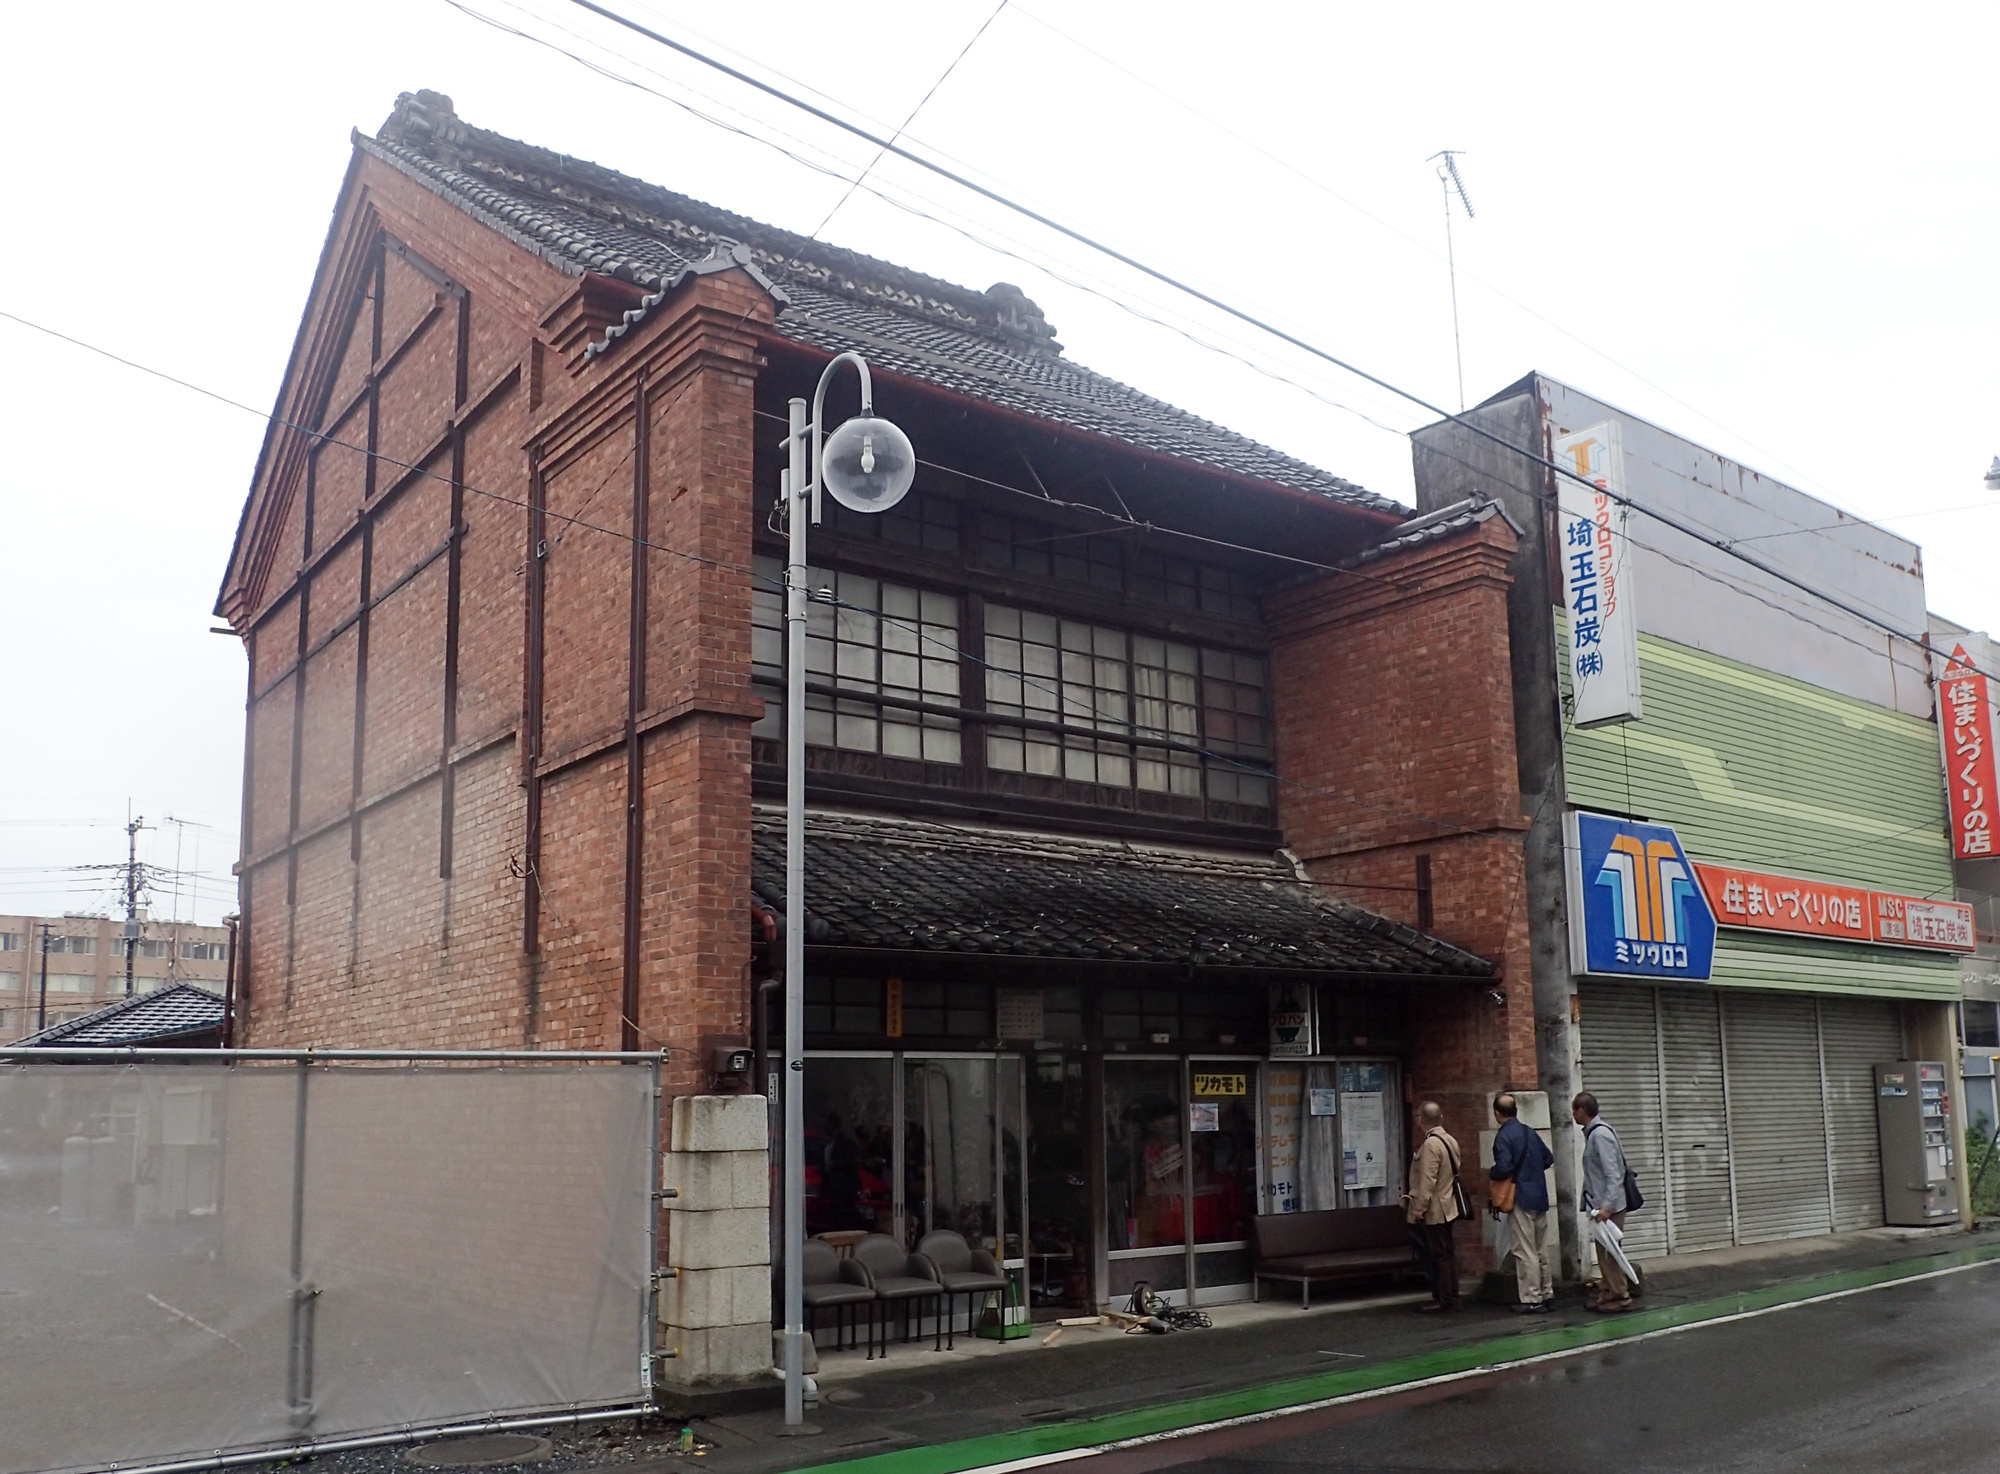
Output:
(1395, 736)
(432, 857)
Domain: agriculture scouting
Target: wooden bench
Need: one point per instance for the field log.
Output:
(1331, 1244)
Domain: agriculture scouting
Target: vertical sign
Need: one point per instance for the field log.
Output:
(1292, 1021)
(1965, 723)
(1282, 1091)
(1597, 578)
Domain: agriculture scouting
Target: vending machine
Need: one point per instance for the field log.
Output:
(1913, 1116)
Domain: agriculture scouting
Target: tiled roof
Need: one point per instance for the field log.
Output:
(994, 345)
(144, 1018)
(908, 885)
(1434, 525)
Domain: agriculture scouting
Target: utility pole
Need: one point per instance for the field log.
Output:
(132, 828)
(42, 1007)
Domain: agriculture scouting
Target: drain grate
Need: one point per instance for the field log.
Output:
(481, 1451)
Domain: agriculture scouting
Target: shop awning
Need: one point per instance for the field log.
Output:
(912, 886)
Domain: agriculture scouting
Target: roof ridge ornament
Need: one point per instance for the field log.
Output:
(1019, 321)
(426, 121)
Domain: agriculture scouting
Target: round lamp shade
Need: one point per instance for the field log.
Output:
(868, 464)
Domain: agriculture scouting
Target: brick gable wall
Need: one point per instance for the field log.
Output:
(444, 736)
(1395, 736)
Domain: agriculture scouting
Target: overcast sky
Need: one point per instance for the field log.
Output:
(1766, 228)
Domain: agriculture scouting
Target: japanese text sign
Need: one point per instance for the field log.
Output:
(1757, 900)
(1965, 724)
(1635, 908)
(1596, 567)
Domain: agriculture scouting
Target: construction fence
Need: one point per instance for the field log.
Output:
(205, 1255)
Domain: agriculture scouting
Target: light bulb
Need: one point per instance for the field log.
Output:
(868, 455)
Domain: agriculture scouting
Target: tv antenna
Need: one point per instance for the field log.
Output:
(1453, 183)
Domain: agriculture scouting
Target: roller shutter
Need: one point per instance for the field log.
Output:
(1856, 1035)
(1697, 1121)
(1777, 1124)
(1621, 1067)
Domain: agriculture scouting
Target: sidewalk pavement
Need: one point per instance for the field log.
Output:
(920, 1397)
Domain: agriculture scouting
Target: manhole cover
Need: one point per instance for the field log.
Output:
(878, 1399)
(481, 1451)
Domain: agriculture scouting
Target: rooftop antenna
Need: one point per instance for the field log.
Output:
(1448, 177)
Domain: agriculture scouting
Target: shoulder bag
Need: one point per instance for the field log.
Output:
(1458, 1197)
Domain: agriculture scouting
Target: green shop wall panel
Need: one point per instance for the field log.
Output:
(1769, 772)
(1802, 965)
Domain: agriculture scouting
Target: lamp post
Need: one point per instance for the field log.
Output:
(868, 465)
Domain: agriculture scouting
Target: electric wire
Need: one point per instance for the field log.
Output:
(1209, 299)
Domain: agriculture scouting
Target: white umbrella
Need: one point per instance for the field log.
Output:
(1612, 1241)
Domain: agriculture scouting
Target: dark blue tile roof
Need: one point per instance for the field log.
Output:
(144, 1018)
(910, 885)
(993, 346)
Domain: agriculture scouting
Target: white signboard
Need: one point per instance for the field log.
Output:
(1020, 1013)
(1364, 1147)
(1594, 556)
(1282, 1091)
(1292, 1021)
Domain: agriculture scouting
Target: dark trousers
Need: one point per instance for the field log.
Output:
(1433, 1241)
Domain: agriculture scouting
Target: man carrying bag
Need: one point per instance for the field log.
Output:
(1434, 1202)
(1520, 1197)
(1608, 1186)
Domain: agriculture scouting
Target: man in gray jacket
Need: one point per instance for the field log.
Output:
(1603, 1196)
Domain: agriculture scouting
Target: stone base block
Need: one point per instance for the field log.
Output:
(723, 1239)
(721, 1123)
(706, 1181)
(717, 1297)
(717, 1354)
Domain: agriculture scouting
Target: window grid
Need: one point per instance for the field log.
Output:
(878, 639)
(1137, 686)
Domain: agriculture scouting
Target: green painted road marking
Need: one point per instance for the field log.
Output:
(1055, 1440)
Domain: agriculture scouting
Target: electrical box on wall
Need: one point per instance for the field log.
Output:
(1913, 1115)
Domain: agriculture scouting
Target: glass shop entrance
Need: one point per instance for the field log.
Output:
(905, 1143)
(1085, 1173)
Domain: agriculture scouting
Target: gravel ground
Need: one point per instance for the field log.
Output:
(595, 1445)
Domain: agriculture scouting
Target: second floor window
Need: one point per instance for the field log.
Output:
(875, 639)
(1208, 704)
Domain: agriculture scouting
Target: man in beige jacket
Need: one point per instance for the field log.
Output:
(1431, 1205)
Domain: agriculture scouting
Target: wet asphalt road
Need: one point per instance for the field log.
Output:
(1901, 1378)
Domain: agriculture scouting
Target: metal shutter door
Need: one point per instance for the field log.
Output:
(1777, 1127)
(1857, 1034)
(1697, 1121)
(1621, 1067)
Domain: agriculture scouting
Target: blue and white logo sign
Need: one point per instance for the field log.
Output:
(1635, 906)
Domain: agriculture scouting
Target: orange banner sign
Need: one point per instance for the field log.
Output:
(1965, 722)
(1756, 900)
(1762, 902)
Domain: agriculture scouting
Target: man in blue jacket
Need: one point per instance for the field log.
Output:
(1521, 1157)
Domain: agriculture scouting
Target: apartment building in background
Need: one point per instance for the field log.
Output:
(86, 965)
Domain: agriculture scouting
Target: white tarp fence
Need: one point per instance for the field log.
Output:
(210, 1256)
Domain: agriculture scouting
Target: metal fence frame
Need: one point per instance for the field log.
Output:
(298, 1377)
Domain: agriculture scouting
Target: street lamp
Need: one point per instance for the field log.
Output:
(868, 465)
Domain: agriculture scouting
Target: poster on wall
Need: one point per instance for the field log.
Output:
(1965, 726)
(1292, 1022)
(1596, 565)
(1325, 1102)
(1365, 1142)
(1283, 1089)
(1204, 1115)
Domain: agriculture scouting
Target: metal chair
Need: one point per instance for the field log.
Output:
(824, 1289)
(961, 1270)
(894, 1276)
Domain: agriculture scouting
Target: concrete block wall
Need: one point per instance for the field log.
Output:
(715, 1313)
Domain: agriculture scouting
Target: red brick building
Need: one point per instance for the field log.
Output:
(1163, 787)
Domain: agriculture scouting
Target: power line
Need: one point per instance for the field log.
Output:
(1241, 314)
